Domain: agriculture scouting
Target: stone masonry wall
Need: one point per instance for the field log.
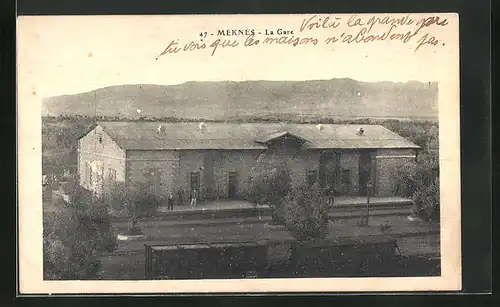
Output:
(140, 162)
(98, 151)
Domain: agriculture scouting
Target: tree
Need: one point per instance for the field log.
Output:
(427, 200)
(306, 213)
(422, 133)
(75, 235)
(269, 185)
(134, 201)
(420, 181)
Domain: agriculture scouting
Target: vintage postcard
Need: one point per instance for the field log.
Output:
(239, 153)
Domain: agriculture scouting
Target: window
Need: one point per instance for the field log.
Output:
(312, 177)
(100, 179)
(112, 176)
(90, 175)
(337, 164)
(195, 181)
(194, 184)
(86, 173)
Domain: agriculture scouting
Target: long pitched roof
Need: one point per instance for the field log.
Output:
(139, 135)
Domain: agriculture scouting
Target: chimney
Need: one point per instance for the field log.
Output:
(360, 131)
(320, 127)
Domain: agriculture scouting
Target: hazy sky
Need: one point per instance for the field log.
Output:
(67, 55)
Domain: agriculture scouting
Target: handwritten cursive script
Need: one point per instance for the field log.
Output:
(316, 22)
(323, 29)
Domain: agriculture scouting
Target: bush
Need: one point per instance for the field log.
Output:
(420, 182)
(75, 235)
(306, 213)
(427, 201)
(133, 202)
(148, 203)
(269, 184)
(120, 196)
(405, 181)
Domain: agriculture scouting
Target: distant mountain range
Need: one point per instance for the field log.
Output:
(339, 98)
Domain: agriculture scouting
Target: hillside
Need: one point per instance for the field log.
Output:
(342, 98)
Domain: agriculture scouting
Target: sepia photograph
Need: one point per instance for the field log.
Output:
(239, 149)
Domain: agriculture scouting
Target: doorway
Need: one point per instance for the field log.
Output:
(364, 172)
(329, 170)
(208, 174)
(232, 184)
(195, 183)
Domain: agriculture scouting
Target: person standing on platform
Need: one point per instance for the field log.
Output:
(170, 205)
(331, 194)
(194, 198)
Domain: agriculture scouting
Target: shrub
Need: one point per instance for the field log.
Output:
(148, 203)
(116, 198)
(75, 235)
(270, 183)
(405, 181)
(134, 202)
(420, 181)
(427, 201)
(306, 213)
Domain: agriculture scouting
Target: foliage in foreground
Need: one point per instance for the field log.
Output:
(269, 184)
(427, 201)
(133, 202)
(306, 213)
(420, 182)
(74, 236)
